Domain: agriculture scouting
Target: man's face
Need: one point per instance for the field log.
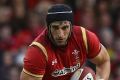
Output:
(60, 31)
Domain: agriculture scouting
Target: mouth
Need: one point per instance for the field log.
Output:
(60, 40)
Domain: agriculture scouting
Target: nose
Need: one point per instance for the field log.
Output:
(60, 33)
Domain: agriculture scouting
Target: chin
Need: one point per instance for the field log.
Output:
(61, 44)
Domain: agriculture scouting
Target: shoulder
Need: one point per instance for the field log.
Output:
(92, 38)
(93, 44)
(90, 33)
(80, 30)
(76, 29)
(38, 45)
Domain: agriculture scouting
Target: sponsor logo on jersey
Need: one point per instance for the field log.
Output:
(54, 61)
(65, 71)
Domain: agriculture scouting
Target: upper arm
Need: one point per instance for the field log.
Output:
(25, 76)
(97, 53)
(34, 63)
(102, 56)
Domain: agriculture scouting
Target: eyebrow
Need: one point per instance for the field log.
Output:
(55, 24)
(60, 23)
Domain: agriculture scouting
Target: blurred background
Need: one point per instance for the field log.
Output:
(22, 20)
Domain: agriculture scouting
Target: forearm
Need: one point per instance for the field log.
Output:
(103, 70)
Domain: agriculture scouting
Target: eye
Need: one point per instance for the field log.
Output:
(65, 27)
(55, 27)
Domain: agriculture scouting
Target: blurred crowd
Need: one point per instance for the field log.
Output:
(22, 20)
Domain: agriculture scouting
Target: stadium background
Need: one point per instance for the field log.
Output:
(22, 20)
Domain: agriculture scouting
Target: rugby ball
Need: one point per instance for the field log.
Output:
(85, 73)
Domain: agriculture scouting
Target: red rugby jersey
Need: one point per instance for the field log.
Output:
(59, 63)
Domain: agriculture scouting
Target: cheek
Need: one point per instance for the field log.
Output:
(67, 32)
(53, 34)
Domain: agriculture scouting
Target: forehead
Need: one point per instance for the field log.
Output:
(60, 23)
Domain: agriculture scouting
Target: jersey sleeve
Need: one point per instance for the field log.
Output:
(93, 44)
(34, 62)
